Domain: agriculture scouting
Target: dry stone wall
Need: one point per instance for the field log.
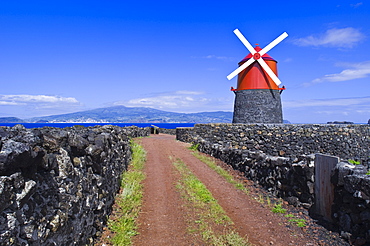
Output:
(281, 158)
(289, 140)
(57, 186)
(166, 131)
(351, 206)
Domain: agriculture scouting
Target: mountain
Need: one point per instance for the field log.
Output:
(124, 114)
(11, 120)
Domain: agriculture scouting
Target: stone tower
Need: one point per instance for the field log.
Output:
(257, 97)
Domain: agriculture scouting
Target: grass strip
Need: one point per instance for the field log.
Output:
(224, 173)
(277, 208)
(209, 214)
(297, 221)
(130, 199)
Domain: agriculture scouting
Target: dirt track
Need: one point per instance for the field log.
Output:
(162, 220)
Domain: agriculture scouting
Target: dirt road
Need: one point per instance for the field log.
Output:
(163, 217)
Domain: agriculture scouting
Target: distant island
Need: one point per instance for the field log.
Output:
(11, 120)
(122, 114)
(340, 122)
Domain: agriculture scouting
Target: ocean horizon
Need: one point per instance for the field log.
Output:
(160, 125)
(64, 125)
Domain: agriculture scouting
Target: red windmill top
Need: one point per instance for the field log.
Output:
(258, 49)
(254, 76)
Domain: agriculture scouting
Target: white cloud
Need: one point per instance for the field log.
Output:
(188, 92)
(24, 99)
(217, 57)
(10, 103)
(356, 5)
(324, 110)
(339, 38)
(181, 101)
(26, 106)
(336, 102)
(223, 58)
(333, 112)
(354, 71)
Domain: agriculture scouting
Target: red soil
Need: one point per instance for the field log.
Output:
(163, 218)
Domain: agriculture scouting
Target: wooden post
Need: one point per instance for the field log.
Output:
(155, 128)
(324, 189)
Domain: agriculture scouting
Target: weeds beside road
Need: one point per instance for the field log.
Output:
(128, 202)
(193, 199)
(209, 221)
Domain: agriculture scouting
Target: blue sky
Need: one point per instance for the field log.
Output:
(67, 56)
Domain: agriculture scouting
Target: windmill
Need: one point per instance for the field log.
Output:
(257, 96)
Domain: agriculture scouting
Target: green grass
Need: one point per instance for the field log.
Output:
(368, 172)
(260, 199)
(207, 210)
(289, 216)
(197, 192)
(354, 162)
(130, 199)
(278, 208)
(224, 173)
(296, 221)
(194, 147)
(265, 200)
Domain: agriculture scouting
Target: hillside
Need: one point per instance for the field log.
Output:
(136, 115)
(11, 120)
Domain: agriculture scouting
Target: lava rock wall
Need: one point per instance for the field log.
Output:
(281, 159)
(351, 208)
(167, 131)
(57, 186)
(287, 140)
(278, 175)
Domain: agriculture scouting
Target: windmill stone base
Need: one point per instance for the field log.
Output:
(257, 106)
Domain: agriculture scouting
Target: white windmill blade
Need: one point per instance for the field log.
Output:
(273, 43)
(269, 71)
(244, 41)
(241, 68)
